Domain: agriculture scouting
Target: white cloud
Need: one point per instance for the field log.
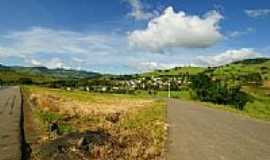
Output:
(235, 34)
(45, 40)
(138, 10)
(173, 29)
(254, 13)
(52, 63)
(39, 45)
(153, 65)
(35, 62)
(226, 57)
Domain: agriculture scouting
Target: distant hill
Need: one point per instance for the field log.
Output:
(257, 65)
(41, 74)
(253, 61)
(175, 71)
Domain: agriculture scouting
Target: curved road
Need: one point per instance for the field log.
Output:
(200, 133)
(10, 117)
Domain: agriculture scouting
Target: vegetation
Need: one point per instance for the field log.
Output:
(219, 92)
(129, 126)
(175, 71)
(241, 85)
(247, 67)
(259, 106)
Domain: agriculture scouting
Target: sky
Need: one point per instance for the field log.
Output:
(132, 36)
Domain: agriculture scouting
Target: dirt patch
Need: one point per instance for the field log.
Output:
(67, 147)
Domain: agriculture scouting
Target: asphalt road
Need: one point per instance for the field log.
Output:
(200, 133)
(10, 133)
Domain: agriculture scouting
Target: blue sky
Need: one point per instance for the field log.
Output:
(130, 36)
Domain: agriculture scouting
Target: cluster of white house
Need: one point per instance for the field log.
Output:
(140, 83)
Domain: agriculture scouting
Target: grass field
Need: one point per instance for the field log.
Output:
(259, 106)
(235, 69)
(139, 133)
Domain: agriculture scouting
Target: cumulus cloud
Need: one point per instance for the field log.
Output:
(226, 57)
(254, 13)
(172, 29)
(138, 10)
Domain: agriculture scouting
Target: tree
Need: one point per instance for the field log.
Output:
(25, 81)
(218, 91)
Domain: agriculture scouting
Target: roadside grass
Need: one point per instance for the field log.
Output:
(151, 120)
(139, 133)
(46, 118)
(259, 107)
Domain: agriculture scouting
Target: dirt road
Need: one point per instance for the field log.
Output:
(200, 133)
(10, 114)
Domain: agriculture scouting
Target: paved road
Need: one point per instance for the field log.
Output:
(200, 133)
(10, 112)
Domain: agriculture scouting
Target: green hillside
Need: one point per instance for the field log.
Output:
(228, 71)
(41, 74)
(175, 71)
(249, 66)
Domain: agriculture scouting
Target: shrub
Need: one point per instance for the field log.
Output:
(25, 81)
(218, 91)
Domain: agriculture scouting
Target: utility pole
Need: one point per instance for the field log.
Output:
(169, 89)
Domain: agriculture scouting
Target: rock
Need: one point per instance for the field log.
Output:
(61, 149)
(114, 118)
(53, 127)
(53, 130)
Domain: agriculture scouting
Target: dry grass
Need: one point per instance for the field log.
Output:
(66, 106)
(139, 133)
(267, 84)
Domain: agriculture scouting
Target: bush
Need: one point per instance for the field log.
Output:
(251, 78)
(25, 81)
(218, 91)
